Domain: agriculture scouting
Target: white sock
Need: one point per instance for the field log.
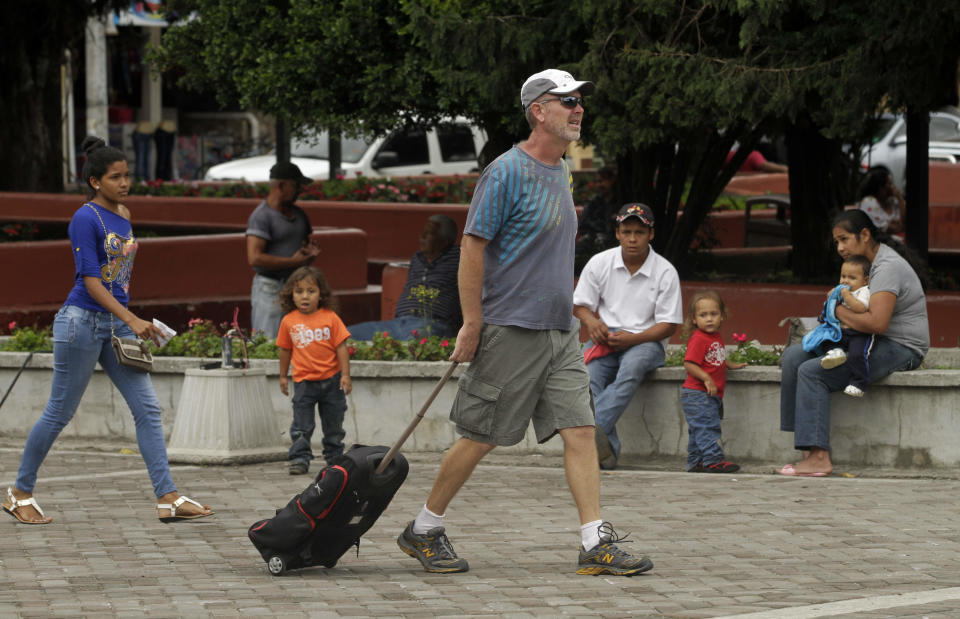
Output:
(590, 534)
(427, 520)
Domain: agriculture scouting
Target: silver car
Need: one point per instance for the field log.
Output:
(889, 149)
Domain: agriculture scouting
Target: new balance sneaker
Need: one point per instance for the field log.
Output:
(607, 558)
(433, 550)
(833, 358)
(720, 467)
(855, 391)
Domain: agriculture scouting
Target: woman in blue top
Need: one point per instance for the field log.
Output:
(103, 250)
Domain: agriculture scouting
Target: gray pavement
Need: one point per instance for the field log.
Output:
(752, 544)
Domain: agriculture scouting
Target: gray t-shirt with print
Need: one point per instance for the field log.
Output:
(284, 235)
(889, 272)
(524, 208)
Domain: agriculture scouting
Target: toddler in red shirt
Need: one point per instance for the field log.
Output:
(701, 395)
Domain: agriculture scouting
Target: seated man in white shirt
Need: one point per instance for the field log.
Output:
(636, 294)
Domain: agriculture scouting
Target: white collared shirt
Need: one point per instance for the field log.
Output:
(628, 302)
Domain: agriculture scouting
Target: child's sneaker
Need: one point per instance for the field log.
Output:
(298, 467)
(696, 468)
(854, 391)
(720, 467)
(607, 558)
(833, 358)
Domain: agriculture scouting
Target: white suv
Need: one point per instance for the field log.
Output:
(448, 148)
(889, 149)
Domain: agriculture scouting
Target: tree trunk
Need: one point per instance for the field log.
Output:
(31, 157)
(812, 202)
(918, 182)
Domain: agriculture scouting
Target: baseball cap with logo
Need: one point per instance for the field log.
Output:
(553, 81)
(635, 209)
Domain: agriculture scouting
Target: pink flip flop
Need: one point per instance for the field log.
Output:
(789, 471)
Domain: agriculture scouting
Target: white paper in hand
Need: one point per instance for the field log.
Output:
(167, 332)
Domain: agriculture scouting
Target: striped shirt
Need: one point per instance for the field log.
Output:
(440, 274)
(524, 208)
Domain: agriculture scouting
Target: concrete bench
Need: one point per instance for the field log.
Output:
(907, 420)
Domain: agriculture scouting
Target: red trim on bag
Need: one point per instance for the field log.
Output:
(313, 523)
(262, 524)
(336, 498)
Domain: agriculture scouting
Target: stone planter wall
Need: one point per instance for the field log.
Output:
(907, 420)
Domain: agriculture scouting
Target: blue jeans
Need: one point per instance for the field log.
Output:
(326, 396)
(805, 387)
(265, 310)
(142, 143)
(702, 411)
(400, 328)
(615, 378)
(80, 339)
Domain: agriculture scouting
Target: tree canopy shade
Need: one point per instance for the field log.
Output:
(35, 35)
(679, 83)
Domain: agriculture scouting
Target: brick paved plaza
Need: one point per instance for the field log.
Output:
(755, 544)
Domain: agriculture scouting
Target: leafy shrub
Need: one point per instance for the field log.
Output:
(418, 348)
(748, 352)
(27, 339)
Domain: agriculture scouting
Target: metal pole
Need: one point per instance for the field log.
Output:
(283, 141)
(416, 420)
(14, 381)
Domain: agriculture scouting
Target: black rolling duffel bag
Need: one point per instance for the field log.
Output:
(330, 516)
(321, 523)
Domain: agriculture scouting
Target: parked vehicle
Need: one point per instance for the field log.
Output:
(889, 148)
(448, 148)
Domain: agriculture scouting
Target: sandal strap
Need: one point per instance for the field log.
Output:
(173, 506)
(16, 503)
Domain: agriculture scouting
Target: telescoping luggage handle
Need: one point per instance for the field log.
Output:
(416, 420)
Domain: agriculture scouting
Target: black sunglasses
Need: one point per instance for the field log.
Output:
(569, 102)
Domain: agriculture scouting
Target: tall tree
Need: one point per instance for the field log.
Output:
(36, 34)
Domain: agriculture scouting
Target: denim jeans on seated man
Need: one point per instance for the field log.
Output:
(401, 328)
(614, 379)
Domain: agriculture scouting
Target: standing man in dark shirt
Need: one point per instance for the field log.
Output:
(278, 241)
(434, 268)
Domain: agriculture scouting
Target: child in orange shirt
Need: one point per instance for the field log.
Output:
(315, 339)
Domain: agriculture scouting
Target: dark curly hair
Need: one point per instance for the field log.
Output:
(327, 300)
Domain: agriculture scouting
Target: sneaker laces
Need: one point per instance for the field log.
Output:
(609, 536)
(441, 545)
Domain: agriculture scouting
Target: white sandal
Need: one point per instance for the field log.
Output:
(16, 504)
(173, 517)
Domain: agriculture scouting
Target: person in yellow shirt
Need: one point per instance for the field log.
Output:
(314, 338)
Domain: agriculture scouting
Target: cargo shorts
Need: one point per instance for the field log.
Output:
(519, 375)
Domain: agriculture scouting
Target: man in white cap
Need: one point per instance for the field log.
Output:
(519, 334)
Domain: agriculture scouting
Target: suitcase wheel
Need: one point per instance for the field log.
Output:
(277, 565)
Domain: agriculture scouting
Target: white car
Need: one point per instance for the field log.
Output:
(889, 149)
(448, 148)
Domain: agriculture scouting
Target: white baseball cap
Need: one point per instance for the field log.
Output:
(553, 81)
